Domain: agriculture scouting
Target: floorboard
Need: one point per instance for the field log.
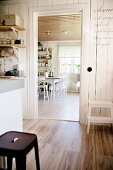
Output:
(60, 109)
(65, 145)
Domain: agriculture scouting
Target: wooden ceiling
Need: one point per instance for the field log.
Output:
(60, 27)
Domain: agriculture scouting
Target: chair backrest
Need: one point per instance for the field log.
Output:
(41, 78)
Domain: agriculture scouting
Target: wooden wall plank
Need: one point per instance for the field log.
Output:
(83, 1)
(57, 2)
(71, 1)
(110, 3)
(5, 10)
(104, 72)
(106, 4)
(75, 1)
(23, 14)
(42, 3)
(13, 9)
(110, 74)
(49, 2)
(32, 3)
(84, 64)
(110, 58)
(92, 60)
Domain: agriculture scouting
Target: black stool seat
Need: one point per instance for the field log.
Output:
(17, 145)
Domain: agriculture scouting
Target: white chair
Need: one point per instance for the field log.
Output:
(62, 88)
(52, 93)
(57, 90)
(43, 89)
(53, 90)
(99, 118)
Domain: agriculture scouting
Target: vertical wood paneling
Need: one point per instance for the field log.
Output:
(83, 1)
(22, 10)
(110, 58)
(110, 74)
(75, 1)
(22, 2)
(100, 3)
(84, 63)
(49, 2)
(70, 1)
(101, 78)
(58, 2)
(101, 73)
(104, 71)
(5, 10)
(42, 3)
(13, 9)
(108, 55)
(32, 3)
(111, 3)
(106, 4)
(19, 9)
(102, 57)
(92, 47)
(1, 9)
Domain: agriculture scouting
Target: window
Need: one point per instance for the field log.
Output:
(69, 57)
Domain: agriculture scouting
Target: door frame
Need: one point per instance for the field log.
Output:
(34, 12)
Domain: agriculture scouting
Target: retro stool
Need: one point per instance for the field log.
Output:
(17, 145)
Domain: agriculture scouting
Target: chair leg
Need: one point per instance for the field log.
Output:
(88, 126)
(112, 126)
(37, 156)
(47, 95)
(9, 163)
(21, 163)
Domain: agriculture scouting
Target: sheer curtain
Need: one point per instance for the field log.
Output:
(69, 59)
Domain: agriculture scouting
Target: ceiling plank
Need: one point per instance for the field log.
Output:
(63, 27)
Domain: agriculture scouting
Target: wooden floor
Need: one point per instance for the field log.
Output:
(65, 145)
(66, 109)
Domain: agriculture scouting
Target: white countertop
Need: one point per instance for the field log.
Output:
(7, 84)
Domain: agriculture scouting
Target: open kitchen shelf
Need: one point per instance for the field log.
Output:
(9, 28)
(12, 45)
(15, 29)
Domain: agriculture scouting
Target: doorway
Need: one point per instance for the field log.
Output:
(66, 59)
(32, 55)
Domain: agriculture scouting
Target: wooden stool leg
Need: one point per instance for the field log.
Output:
(9, 163)
(88, 126)
(21, 163)
(37, 156)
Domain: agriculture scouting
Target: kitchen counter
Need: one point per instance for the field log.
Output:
(7, 84)
(11, 104)
(11, 113)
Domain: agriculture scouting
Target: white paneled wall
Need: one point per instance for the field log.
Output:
(102, 45)
(97, 41)
(55, 2)
(22, 9)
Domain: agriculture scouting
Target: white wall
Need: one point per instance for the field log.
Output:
(101, 45)
(11, 111)
(10, 114)
(96, 52)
